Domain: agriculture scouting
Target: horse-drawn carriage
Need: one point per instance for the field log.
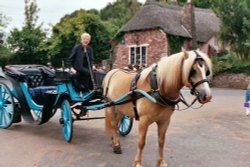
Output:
(35, 92)
(149, 96)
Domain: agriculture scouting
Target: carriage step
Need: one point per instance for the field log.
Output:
(83, 111)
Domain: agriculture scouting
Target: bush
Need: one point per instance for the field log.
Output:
(229, 62)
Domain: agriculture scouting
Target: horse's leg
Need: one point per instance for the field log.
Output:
(111, 125)
(162, 128)
(143, 127)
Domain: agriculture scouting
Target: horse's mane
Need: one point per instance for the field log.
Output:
(173, 71)
(169, 72)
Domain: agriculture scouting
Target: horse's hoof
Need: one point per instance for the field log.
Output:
(162, 164)
(137, 165)
(117, 149)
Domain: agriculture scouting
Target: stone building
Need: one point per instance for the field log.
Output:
(144, 39)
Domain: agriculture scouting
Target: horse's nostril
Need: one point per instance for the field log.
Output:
(208, 97)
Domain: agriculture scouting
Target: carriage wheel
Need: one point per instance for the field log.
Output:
(125, 125)
(7, 109)
(66, 120)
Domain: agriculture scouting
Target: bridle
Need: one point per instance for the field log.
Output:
(193, 90)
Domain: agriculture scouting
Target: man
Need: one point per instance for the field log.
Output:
(81, 64)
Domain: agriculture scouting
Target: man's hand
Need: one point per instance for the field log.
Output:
(93, 68)
(73, 71)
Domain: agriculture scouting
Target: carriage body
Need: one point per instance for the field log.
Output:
(35, 92)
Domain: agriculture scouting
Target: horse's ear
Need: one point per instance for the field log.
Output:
(185, 55)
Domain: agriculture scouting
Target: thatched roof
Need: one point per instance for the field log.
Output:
(168, 18)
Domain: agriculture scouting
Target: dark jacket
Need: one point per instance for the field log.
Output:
(78, 59)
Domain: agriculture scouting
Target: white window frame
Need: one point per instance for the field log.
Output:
(135, 46)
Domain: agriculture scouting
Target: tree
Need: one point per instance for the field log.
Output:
(235, 25)
(67, 33)
(119, 12)
(4, 51)
(31, 11)
(3, 21)
(26, 44)
(196, 3)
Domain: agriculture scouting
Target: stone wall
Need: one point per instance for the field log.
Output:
(226, 80)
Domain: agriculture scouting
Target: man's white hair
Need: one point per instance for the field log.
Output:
(85, 35)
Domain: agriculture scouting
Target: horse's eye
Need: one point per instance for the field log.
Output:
(192, 73)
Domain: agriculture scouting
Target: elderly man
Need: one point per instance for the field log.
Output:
(81, 63)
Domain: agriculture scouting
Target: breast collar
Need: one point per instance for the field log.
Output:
(155, 92)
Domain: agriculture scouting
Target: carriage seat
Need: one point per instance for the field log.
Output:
(39, 79)
(39, 83)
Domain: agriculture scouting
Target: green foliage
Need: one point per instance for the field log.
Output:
(202, 3)
(119, 12)
(235, 25)
(175, 43)
(3, 21)
(197, 3)
(4, 55)
(25, 46)
(30, 13)
(67, 33)
(230, 63)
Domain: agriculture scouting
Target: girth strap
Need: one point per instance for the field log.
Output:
(133, 95)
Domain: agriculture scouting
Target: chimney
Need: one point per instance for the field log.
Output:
(188, 21)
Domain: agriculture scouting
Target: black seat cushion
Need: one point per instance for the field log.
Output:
(38, 93)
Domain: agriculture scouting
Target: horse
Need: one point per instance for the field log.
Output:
(189, 68)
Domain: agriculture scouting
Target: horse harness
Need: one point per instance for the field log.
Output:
(155, 90)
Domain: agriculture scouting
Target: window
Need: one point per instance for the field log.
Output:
(138, 54)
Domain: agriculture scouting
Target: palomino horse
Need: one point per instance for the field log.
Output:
(189, 69)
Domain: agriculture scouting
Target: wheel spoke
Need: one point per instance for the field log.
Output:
(4, 118)
(1, 117)
(4, 93)
(6, 99)
(8, 113)
(1, 94)
(7, 106)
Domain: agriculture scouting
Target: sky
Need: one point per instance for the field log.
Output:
(50, 10)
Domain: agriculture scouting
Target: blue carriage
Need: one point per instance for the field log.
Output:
(34, 93)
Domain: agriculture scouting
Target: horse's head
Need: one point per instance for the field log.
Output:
(197, 67)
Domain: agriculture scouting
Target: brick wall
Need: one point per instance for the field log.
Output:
(157, 46)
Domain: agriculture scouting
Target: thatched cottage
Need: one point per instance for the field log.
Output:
(144, 39)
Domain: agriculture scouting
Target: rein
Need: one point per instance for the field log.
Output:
(168, 102)
(183, 100)
(155, 92)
